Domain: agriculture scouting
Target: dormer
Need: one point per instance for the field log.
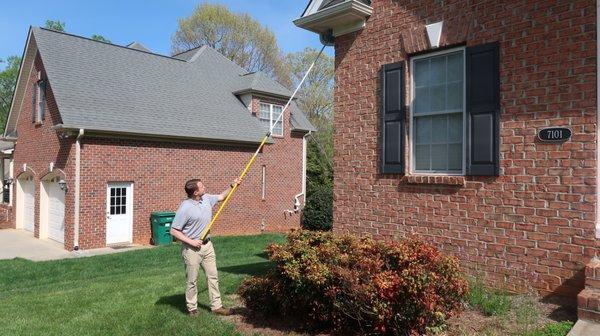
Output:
(332, 18)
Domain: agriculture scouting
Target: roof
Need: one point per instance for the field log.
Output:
(108, 88)
(317, 5)
(138, 46)
(260, 82)
(299, 121)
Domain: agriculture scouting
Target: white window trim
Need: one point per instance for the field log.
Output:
(271, 120)
(411, 160)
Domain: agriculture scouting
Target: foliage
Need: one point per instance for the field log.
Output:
(358, 286)
(55, 25)
(100, 38)
(8, 81)
(553, 329)
(239, 37)
(489, 303)
(318, 213)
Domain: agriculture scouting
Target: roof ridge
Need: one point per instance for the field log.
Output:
(183, 52)
(107, 43)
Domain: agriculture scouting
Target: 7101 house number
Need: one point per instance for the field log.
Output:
(554, 134)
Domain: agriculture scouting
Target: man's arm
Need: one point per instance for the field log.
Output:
(182, 237)
(226, 192)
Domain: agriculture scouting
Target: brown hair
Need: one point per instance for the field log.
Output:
(191, 186)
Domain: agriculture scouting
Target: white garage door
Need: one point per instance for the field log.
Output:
(28, 202)
(56, 211)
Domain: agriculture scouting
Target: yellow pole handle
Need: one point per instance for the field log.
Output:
(244, 172)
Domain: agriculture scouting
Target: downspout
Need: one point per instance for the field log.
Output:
(297, 203)
(304, 153)
(77, 184)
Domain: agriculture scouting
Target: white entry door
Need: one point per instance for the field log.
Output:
(28, 210)
(119, 213)
(56, 211)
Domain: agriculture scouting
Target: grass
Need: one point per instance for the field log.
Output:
(514, 316)
(131, 293)
(489, 303)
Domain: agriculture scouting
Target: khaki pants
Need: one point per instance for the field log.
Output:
(193, 259)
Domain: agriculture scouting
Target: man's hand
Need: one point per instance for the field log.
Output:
(236, 181)
(195, 243)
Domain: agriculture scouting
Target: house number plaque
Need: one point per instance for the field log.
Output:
(554, 134)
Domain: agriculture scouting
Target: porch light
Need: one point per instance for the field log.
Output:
(63, 185)
(8, 181)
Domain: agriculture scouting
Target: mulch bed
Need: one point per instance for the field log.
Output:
(469, 322)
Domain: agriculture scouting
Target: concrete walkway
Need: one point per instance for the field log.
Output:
(22, 244)
(585, 328)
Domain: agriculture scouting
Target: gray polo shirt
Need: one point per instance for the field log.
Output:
(193, 216)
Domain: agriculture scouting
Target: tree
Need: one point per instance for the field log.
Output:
(8, 81)
(315, 98)
(55, 25)
(100, 38)
(237, 36)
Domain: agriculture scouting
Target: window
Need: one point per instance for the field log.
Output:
(269, 113)
(118, 200)
(438, 113)
(454, 113)
(39, 101)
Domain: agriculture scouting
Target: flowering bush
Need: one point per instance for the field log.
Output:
(356, 285)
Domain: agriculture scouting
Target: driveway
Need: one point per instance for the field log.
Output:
(22, 244)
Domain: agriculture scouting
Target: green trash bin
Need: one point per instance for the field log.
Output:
(161, 227)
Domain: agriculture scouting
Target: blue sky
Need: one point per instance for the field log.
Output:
(151, 22)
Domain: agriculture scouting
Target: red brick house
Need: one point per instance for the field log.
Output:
(443, 110)
(105, 134)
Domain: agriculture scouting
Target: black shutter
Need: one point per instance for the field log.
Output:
(392, 118)
(42, 100)
(483, 109)
(34, 103)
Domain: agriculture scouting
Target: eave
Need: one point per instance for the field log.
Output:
(343, 18)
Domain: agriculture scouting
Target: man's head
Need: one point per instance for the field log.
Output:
(194, 188)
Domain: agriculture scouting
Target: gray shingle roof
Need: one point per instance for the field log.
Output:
(260, 82)
(138, 46)
(299, 121)
(104, 87)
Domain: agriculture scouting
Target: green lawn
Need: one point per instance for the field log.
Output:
(131, 293)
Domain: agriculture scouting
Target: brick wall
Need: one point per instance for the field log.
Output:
(533, 226)
(38, 145)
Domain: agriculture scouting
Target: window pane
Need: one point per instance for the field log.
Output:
(455, 67)
(112, 192)
(438, 70)
(265, 112)
(124, 192)
(278, 128)
(421, 102)
(439, 157)
(422, 157)
(421, 73)
(112, 201)
(455, 157)
(123, 210)
(118, 191)
(423, 130)
(438, 98)
(439, 129)
(455, 96)
(455, 127)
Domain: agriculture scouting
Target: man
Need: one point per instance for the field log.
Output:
(192, 217)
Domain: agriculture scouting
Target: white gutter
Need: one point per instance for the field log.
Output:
(598, 119)
(77, 183)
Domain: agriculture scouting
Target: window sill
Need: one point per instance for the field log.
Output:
(457, 181)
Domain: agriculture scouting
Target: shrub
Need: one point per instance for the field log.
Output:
(318, 212)
(358, 286)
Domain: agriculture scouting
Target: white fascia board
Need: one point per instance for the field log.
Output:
(344, 17)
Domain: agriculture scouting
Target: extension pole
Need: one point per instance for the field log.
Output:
(262, 143)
